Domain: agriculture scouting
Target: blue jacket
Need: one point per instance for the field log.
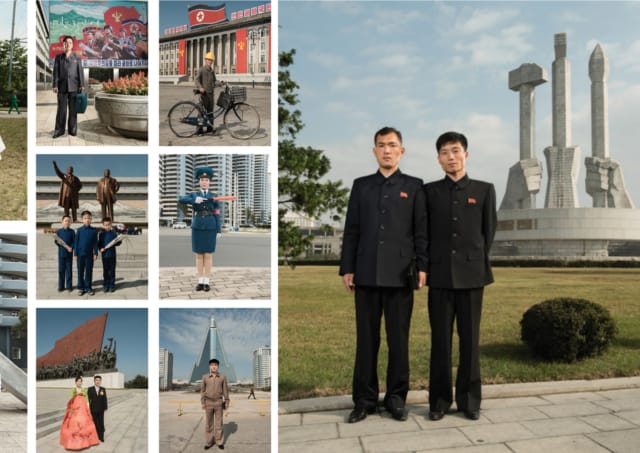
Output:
(210, 221)
(86, 242)
(69, 237)
(104, 237)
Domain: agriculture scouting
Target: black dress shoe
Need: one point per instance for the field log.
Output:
(399, 413)
(58, 134)
(206, 447)
(221, 447)
(472, 415)
(436, 415)
(206, 287)
(359, 413)
(199, 132)
(200, 287)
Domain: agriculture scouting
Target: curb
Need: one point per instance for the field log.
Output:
(492, 391)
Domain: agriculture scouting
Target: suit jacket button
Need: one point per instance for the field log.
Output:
(381, 242)
(453, 252)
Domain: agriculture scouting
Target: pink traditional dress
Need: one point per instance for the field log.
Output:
(78, 431)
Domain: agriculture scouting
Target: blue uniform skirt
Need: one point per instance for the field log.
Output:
(203, 233)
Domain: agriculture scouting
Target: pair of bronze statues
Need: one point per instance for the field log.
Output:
(69, 197)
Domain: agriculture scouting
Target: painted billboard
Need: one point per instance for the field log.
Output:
(107, 34)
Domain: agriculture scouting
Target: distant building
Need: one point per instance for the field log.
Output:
(212, 348)
(43, 70)
(262, 367)
(166, 369)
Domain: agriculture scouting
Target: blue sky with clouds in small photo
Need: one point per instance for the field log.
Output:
(183, 331)
(128, 327)
(131, 165)
(428, 67)
(174, 12)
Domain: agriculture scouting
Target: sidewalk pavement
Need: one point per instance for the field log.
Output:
(91, 132)
(226, 283)
(565, 416)
(131, 271)
(13, 424)
(125, 421)
(247, 423)
(4, 113)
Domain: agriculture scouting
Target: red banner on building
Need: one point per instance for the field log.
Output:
(201, 15)
(241, 51)
(269, 46)
(182, 57)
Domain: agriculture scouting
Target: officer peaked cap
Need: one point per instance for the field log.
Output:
(204, 172)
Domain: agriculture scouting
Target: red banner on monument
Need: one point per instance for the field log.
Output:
(182, 50)
(241, 51)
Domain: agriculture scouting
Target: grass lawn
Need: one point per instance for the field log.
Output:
(317, 328)
(13, 169)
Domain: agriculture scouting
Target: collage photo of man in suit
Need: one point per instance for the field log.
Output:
(68, 81)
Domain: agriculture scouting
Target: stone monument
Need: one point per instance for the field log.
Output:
(561, 228)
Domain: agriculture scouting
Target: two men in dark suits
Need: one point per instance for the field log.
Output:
(461, 223)
(98, 405)
(68, 81)
(385, 230)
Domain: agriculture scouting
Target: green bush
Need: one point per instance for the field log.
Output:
(567, 329)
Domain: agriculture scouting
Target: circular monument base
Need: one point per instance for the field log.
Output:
(567, 232)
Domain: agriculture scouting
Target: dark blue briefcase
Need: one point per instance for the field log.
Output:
(81, 102)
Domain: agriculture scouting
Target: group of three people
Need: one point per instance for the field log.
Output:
(444, 230)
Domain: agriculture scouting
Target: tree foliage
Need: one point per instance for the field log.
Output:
(138, 382)
(302, 186)
(19, 331)
(19, 74)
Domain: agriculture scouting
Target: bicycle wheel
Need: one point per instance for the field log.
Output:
(184, 118)
(242, 121)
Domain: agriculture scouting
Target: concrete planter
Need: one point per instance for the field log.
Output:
(94, 88)
(126, 115)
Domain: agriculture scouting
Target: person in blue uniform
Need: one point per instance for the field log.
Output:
(205, 226)
(65, 238)
(461, 223)
(384, 231)
(108, 255)
(85, 251)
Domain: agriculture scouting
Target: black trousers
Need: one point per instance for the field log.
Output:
(66, 99)
(465, 306)
(397, 305)
(98, 420)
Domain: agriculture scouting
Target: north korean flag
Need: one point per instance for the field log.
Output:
(202, 15)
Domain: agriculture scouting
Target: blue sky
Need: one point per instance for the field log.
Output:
(183, 331)
(93, 164)
(174, 13)
(429, 67)
(20, 30)
(128, 327)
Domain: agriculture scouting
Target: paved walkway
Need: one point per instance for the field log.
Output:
(247, 423)
(131, 271)
(125, 422)
(91, 132)
(13, 424)
(227, 283)
(568, 416)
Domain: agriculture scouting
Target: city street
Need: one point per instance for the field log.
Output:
(232, 249)
(259, 97)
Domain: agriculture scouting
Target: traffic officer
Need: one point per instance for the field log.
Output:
(384, 231)
(205, 225)
(461, 223)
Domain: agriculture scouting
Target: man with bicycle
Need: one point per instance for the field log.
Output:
(205, 82)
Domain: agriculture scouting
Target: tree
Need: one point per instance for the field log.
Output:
(19, 331)
(138, 382)
(301, 170)
(19, 73)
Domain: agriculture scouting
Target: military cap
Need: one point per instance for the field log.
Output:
(204, 172)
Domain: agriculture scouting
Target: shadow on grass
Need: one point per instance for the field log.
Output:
(516, 353)
(626, 343)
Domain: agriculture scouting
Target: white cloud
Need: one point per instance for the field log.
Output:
(484, 20)
(506, 46)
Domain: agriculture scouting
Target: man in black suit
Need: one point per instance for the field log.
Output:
(98, 405)
(461, 223)
(385, 229)
(68, 80)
